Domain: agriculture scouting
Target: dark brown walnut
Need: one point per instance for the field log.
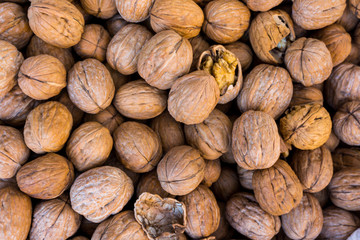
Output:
(262, 5)
(169, 130)
(354, 56)
(356, 35)
(255, 140)
(347, 123)
(164, 58)
(202, 212)
(79, 238)
(122, 226)
(314, 168)
(15, 211)
(134, 10)
(266, 88)
(224, 231)
(46, 177)
(220, 24)
(317, 14)
(306, 126)
(212, 172)
(199, 45)
(277, 189)
(225, 67)
(13, 151)
(90, 86)
(181, 170)
(322, 196)
(57, 22)
(245, 177)
(76, 113)
(227, 184)
(338, 224)
(86, 15)
(114, 24)
(246, 216)
(54, 218)
(109, 118)
(137, 146)
(285, 148)
(348, 20)
(270, 40)
(100, 192)
(202, 3)
(346, 158)
(149, 183)
(118, 78)
(193, 97)
(306, 95)
(124, 48)
(87, 227)
(160, 218)
(101, 9)
(183, 16)
(332, 142)
(42, 77)
(14, 25)
(354, 6)
(243, 52)
(39, 132)
(305, 221)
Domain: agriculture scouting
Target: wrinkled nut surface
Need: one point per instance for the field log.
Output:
(109, 118)
(118, 78)
(149, 183)
(306, 95)
(76, 113)
(134, 10)
(262, 5)
(100, 192)
(101, 9)
(355, 7)
(114, 24)
(199, 45)
(348, 20)
(227, 184)
(246, 216)
(346, 158)
(245, 177)
(212, 172)
(332, 142)
(243, 52)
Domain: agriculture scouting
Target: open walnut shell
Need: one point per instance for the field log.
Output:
(160, 218)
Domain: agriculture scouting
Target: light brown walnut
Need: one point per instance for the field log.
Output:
(306, 95)
(212, 172)
(109, 118)
(134, 10)
(103, 9)
(243, 52)
(262, 5)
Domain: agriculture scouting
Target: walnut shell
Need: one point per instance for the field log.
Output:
(134, 10)
(118, 78)
(115, 23)
(90, 86)
(354, 6)
(220, 24)
(39, 132)
(164, 58)
(181, 170)
(277, 189)
(322, 196)
(224, 231)
(227, 184)
(306, 126)
(346, 158)
(262, 5)
(149, 183)
(109, 118)
(199, 45)
(100, 192)
(101, 9)
(243, 52)
(332, 142)
(245, 177)
(246, 216)
(76, 113)
(348, 20)
(354, 56)
(57, 22)
(212, 172)
(46, 177)
(88, 227)
(306, 95)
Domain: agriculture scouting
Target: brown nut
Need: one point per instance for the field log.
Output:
(79, 238)
(348, 20)
(164, 58)
(255, 140)
(101, 9)
(285, 148)
(246, 216)
(266, 88)
(149, 183)
(134, 10)
(306, 95)
(76, 113)
(220, 24)
(46, 177)
(212, 172)
(306, 126)
(181, 170)
(227, 184)
(115, 23)
(90, 86)
(277, 189)
(322, 196)
(262, 5)
(354, 56)
(332, 142)
(224, 231)
(100, 192)
(88, 227)
(243, 52)
(346, 158)
(245, 177)
(354, 6)
(199, 45)
(109, 118)
(118, 78)
(57, 22)
(183, 16)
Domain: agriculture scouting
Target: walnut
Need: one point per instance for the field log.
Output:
(285, 148)
(134, 10)
(181, 170)
(255, 140)
(245, 177)
(57, 22)
(354, 6)
(306, 95)
(54, 218)
(115, 23)
(220, 24)
(79, 238)
(332, 142)
(262, 5)
(76, 113)
(224, 231)
(109, 118)
(348, 20)
(356, 35)
(90, 86)
(164, 58)
(317, 14)
(149, 183)
(212, 172)
(13, 151)
(101, 9)
(243, 52)
(277, 189)
(227, 184)
(346, 158)
(199, 45)
(306, 126)
(263, 88)
(354, 56)
(322, 196)
(183, 16)
(118, 78)
(46, 177)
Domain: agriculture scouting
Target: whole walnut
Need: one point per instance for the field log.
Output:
(203, 212)
(15, 211)
(212, 172)
(355, 7)
(139, 100)
(149, 182)
(42, 77)
(164, 58)
(227, 184)
(306, 126)
(277, 189)
(348, 20)
(199, 45)
(57, 22)
(14, 25)
(304, 221)
(266, 88)
(347, 123)
(13, 151)
(124, 48)
(109, 118)
(54, 218)
(181, 170)
(100, 192)
(47, 127)
(243, 52)
(255, 140)
(114, 24)
(306, 95)
(134, 10)
(246, 216)
(332, 142)
(220, 24)
(46, 177)
(245, 177)
(90, 86)
(317, 14)
(76, 113)
(262, 5)
(101, 9)
(183, 16)
(346, 158)
(270, 41)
